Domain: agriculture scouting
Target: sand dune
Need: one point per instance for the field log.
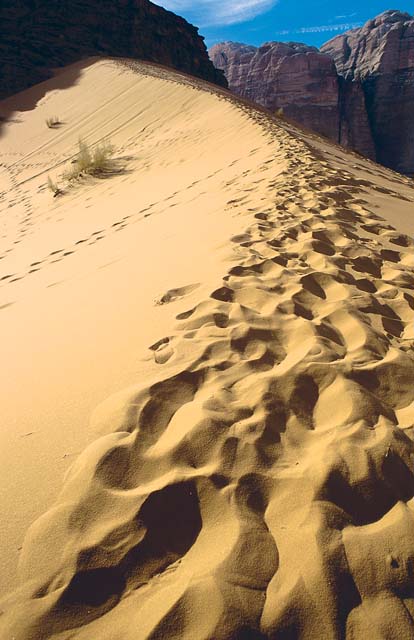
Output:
(232, 314)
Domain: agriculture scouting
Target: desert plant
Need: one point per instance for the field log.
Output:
(279, 113)
(53, 187)
(93, 161)
(53, 122)
(101, 154)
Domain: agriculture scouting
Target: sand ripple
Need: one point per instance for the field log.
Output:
(262, 486)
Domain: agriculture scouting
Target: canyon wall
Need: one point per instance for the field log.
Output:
(380, 56)
(358, 89)
(304, 83)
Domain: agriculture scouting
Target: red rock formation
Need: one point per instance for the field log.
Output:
(304, 83)
(381, 56)
(291, 76)
(38, 35)
(354, 126)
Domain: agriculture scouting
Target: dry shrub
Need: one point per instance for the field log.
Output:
(90, 161)
(53, 187)
(52, 122)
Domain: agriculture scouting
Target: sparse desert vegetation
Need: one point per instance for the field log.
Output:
(53, 122)
(53, 187)
(94, 161)
(235, 293)
(90, 160)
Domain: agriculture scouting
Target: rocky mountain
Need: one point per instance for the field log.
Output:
(304, 83)
(358, 89)
(37, 36)
(292, 76)
(380, 55)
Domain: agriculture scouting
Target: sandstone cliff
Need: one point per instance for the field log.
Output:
(358, 89)
(381, 56)
(304, 83)
(354, 126)
(291, 76)
(37, 36)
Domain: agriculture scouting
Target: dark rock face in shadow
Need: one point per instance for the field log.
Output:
(303, 83)
(37, 36)
(380, 55)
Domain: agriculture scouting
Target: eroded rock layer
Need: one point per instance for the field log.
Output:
(358, 89)
(289, 76)
(304, 84)
(381, 56)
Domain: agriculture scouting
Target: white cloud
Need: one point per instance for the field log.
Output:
(349, 15)
(208, 13)
(320, 28)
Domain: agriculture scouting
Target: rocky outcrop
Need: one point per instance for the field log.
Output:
(37, 36)
(304, 83)
(354, 126)
(358, 89)
(289, 76)
(380, 55)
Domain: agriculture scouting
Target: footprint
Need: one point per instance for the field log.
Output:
(175, 294)
(162, 350)
(7, 304)
(242, 237)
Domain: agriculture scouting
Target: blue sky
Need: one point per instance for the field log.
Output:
(258, 21)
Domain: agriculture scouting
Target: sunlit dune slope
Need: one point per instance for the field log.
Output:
(81, 273)
(226, 320)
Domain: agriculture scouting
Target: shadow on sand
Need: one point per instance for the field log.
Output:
(27, 100)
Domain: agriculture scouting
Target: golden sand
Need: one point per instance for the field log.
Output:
(224, 326)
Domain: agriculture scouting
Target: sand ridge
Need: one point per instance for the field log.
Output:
(82, 273)
(260, 483)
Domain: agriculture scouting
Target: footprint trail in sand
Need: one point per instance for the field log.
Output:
(267, 469)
